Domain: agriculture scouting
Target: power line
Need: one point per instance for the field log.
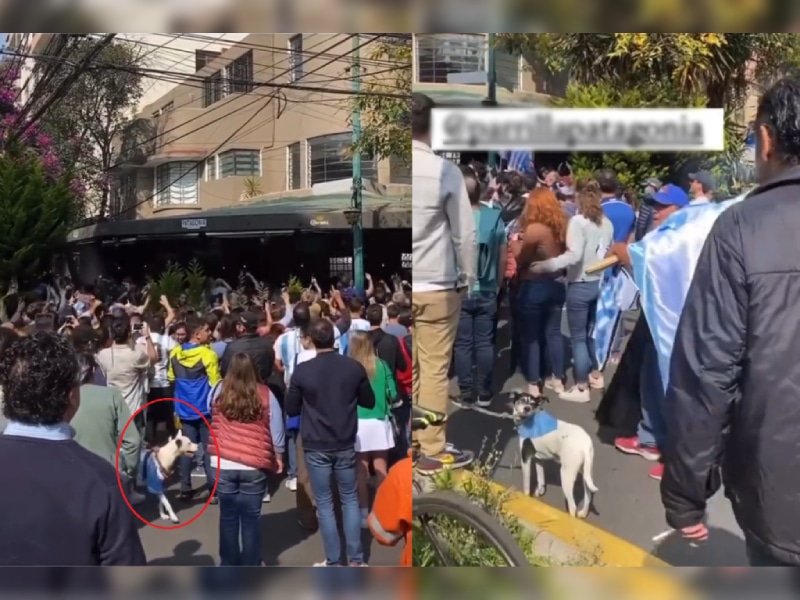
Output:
(222, 104)
(196, 168)
(63, 88)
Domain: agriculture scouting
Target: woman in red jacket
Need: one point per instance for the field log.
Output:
(248, 425)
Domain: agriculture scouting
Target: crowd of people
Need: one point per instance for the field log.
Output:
(486, 238)
(312, 390)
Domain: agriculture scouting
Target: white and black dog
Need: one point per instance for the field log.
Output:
(543, 437)
(156, 467)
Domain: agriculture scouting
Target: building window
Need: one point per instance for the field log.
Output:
(329, 160)
(440, 54)
(213, 89)
(176, 183)
(211, 168)
(240, 74)
(125, 194)
(399, 171)
(293, 156)
(454, 157)
(203, 57)
(296, 57)
(244, 163)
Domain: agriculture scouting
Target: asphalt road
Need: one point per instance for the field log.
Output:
(628, 503)
(284, 542)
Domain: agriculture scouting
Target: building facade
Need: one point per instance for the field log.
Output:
(235, 130)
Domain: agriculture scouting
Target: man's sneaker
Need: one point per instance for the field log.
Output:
(555, 384)
(597, 382)
(267, 498)
(484, 401)
(451, 458)
(657, 471)
(631, 445)
(464, 400)
(291, 484)
(576, 394)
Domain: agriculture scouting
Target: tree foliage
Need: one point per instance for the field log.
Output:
(88, 122)
(40, 199)
(715, 70)
(385, 120)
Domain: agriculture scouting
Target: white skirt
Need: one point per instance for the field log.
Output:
(374, 435)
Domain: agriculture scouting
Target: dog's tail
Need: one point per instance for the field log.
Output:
(588, 464)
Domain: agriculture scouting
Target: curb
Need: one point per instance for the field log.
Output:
(652, 582)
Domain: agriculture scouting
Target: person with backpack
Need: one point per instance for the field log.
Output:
(474, 346)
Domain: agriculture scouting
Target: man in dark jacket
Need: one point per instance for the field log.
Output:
(259, 348)
(62, 505)
(734, 372)
(387, 346)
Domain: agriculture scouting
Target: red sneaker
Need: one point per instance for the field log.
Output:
(657, 471)
(631, 445)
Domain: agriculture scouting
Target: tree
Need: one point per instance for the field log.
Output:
(40, 199)
(715, 70)
(87, 124)
(385, 119)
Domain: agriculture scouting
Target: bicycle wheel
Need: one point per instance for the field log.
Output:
(467, 514)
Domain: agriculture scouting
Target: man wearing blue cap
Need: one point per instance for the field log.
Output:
(651, 432)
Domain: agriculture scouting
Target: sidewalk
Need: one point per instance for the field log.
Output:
(285, 543)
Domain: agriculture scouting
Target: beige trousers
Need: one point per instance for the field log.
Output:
(435, 324)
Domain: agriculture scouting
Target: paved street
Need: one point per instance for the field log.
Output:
(285, 543)
(628, 503)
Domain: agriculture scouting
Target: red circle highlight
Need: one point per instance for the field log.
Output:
(119, 478)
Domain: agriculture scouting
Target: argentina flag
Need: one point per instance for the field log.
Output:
(663, 265)
(519, 160)
(618, 293)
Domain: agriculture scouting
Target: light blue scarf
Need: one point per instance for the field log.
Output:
(663, 266)
(538, 424)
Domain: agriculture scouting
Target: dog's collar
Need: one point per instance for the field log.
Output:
(162, 471)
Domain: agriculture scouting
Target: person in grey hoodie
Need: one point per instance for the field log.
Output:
(589, 236)
(445, 261)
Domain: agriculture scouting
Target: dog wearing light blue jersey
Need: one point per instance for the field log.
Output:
(543, 437)
(156, 467)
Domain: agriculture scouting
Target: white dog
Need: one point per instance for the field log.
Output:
(543, 437)
(156, 467)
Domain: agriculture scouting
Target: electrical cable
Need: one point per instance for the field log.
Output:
(63, 88)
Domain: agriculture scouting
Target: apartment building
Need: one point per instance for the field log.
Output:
(177, 53)
(232, 132)
(452, 68)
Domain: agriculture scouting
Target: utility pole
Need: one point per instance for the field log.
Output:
(357, 198)
(491, 87)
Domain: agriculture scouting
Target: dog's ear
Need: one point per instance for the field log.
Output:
(178, 435)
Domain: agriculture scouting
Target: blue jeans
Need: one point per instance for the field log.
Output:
(240, 495)
(291, 453)
(342, 466)
(475, 342)
(581, 312)
(652, 428)
(539, 308)
(198, 432)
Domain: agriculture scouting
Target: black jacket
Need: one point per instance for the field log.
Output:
(734, 394)
(387, 347)
(258, 348)
(327, 390)
(62, 507)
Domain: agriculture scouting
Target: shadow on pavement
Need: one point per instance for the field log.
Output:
(722, 549)
(281, 531)
(185, 555)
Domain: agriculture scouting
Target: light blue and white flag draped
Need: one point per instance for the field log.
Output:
(663, 266)
(519, 160)
(618, 293)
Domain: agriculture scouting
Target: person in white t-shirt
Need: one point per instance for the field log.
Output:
(159, 386)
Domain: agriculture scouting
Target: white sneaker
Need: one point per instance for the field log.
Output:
(324, 563)
(575, 394)
(267, 498)
(554, 384)
(291, 484)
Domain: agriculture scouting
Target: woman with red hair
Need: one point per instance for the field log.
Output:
(540, 301)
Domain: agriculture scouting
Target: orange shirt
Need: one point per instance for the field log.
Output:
(392, 513)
